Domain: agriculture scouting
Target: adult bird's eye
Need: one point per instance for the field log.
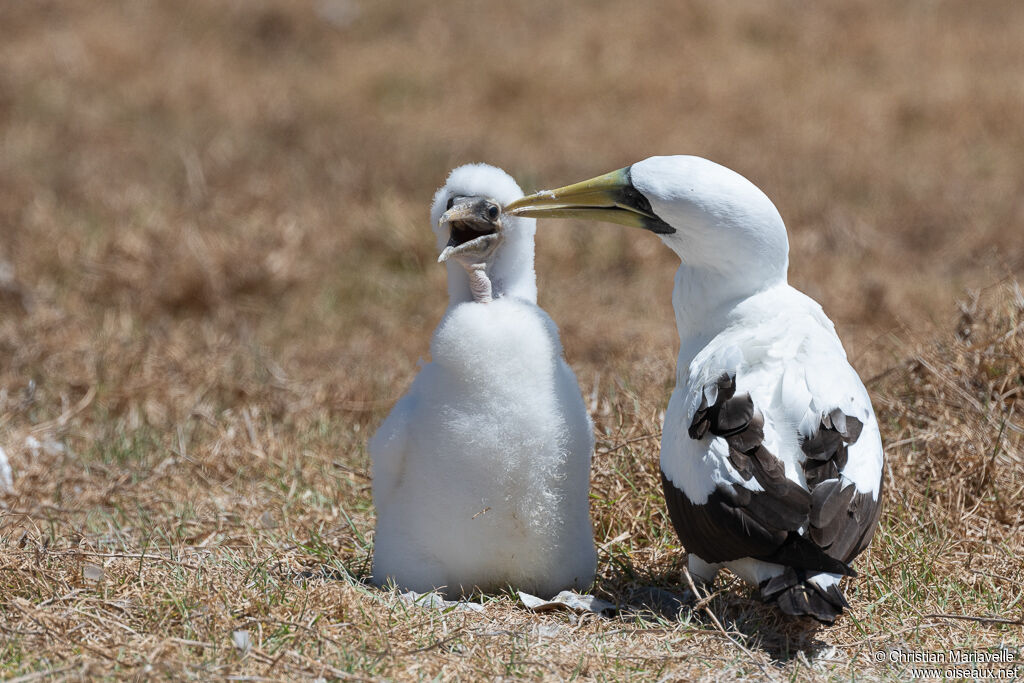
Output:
(492, 212)
(451, 202)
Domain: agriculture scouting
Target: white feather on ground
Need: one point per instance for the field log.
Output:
(6, 476)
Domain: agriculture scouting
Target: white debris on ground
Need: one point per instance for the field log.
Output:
(6, 476)
(568, 600)
(47, 445)
(435, 600)
(241, 640)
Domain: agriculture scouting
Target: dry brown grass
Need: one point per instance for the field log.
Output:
(216, 277)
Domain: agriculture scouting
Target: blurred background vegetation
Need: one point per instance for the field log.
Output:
(216, 272)
(189, 157)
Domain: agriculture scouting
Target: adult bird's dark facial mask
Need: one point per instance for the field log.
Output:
(610, 197)
(475, 228)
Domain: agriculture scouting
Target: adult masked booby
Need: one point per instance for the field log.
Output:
(771, 457)
(481, 471)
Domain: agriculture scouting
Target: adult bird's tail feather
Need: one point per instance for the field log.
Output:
(797, 596)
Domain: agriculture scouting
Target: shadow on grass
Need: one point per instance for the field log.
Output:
(651, 598)
(661, 597)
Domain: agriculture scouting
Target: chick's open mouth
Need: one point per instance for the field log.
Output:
(474, 227)
(464, 232)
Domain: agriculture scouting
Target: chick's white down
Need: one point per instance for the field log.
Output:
(481, 471)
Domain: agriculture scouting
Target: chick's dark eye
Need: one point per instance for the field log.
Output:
(492, 212)
(451, 202)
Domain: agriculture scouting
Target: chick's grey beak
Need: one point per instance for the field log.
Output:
(460, 211)
(474, 225)
(610, 197)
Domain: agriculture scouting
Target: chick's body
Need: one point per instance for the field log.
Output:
(481, 471)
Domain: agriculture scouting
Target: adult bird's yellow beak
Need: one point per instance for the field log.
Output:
(610, 197)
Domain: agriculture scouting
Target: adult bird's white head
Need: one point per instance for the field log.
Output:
(481, 246)
(728, 234)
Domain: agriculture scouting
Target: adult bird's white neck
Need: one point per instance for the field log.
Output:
(729, 236)
(705, 303)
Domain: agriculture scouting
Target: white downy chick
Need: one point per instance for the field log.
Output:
(481, 471)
